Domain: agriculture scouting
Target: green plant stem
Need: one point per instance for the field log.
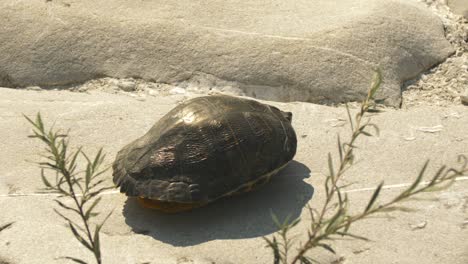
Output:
(64, 165)
(323, 229)
(345, 160)
(68, 177)
(82, 214)
(314, 237)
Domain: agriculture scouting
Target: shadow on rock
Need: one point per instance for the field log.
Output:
(242, 216)
(2, 261)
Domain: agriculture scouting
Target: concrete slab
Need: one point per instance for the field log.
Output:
(301, 50)
(225, 231)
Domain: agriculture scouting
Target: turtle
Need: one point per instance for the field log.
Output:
(204, 149)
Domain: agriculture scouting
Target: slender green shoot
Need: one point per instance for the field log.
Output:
(333, 219)
(82, 187)
(5, 226)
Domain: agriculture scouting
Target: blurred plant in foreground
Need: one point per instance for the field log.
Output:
(333, 220)
(84, 191)
(5, 226)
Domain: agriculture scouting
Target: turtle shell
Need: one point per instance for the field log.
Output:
(203, 149)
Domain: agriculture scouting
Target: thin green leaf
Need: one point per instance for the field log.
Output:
(353, 236)
(350, 118)
(44, 180)
(97, 159)
(96, 183)
(295, 222)
(306, 260)
(88, 174)
(68, 219)
(274, 246)
(340, 198)
(93, 214)
(29, 120)
(72, 164)
(331, 222)
(79, 237)
(330, 166)
(97, 244)
(437, 175)
(86, 157)
(374, 197)
(76, 260)
(39, 123)
(415, 183)
(376, 128)
(92, 194)
(101, 172)
(90, 209)
(340, 149)
(50, 165)
(105, 219)
(420, 176)
(396, 208)
(439, 187)
(347, 226)
(327, 187)
(5, 226)
(421, 199)
(327, 247)
(275, 219)
(66, 206)
(61, 190)
(366, 133)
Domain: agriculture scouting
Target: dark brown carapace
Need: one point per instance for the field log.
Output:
(204, 149)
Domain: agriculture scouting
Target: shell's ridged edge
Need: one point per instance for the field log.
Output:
(121, 177)
(166, 191)
(179, 194)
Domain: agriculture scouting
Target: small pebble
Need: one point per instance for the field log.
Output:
(34, 88)
(127, 86)
(421, 225)
(152, 91)
(177, 90)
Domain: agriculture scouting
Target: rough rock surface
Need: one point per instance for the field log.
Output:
(316, 51)
(447, 83)
(459, 7)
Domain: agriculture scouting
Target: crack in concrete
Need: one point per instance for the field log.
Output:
(392, 186)
(398, 186)
(346, 54)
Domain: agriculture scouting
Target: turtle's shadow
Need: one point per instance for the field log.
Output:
(242, 216)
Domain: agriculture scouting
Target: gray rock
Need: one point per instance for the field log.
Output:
(34, 88)
(302, 50)
(127, 85)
